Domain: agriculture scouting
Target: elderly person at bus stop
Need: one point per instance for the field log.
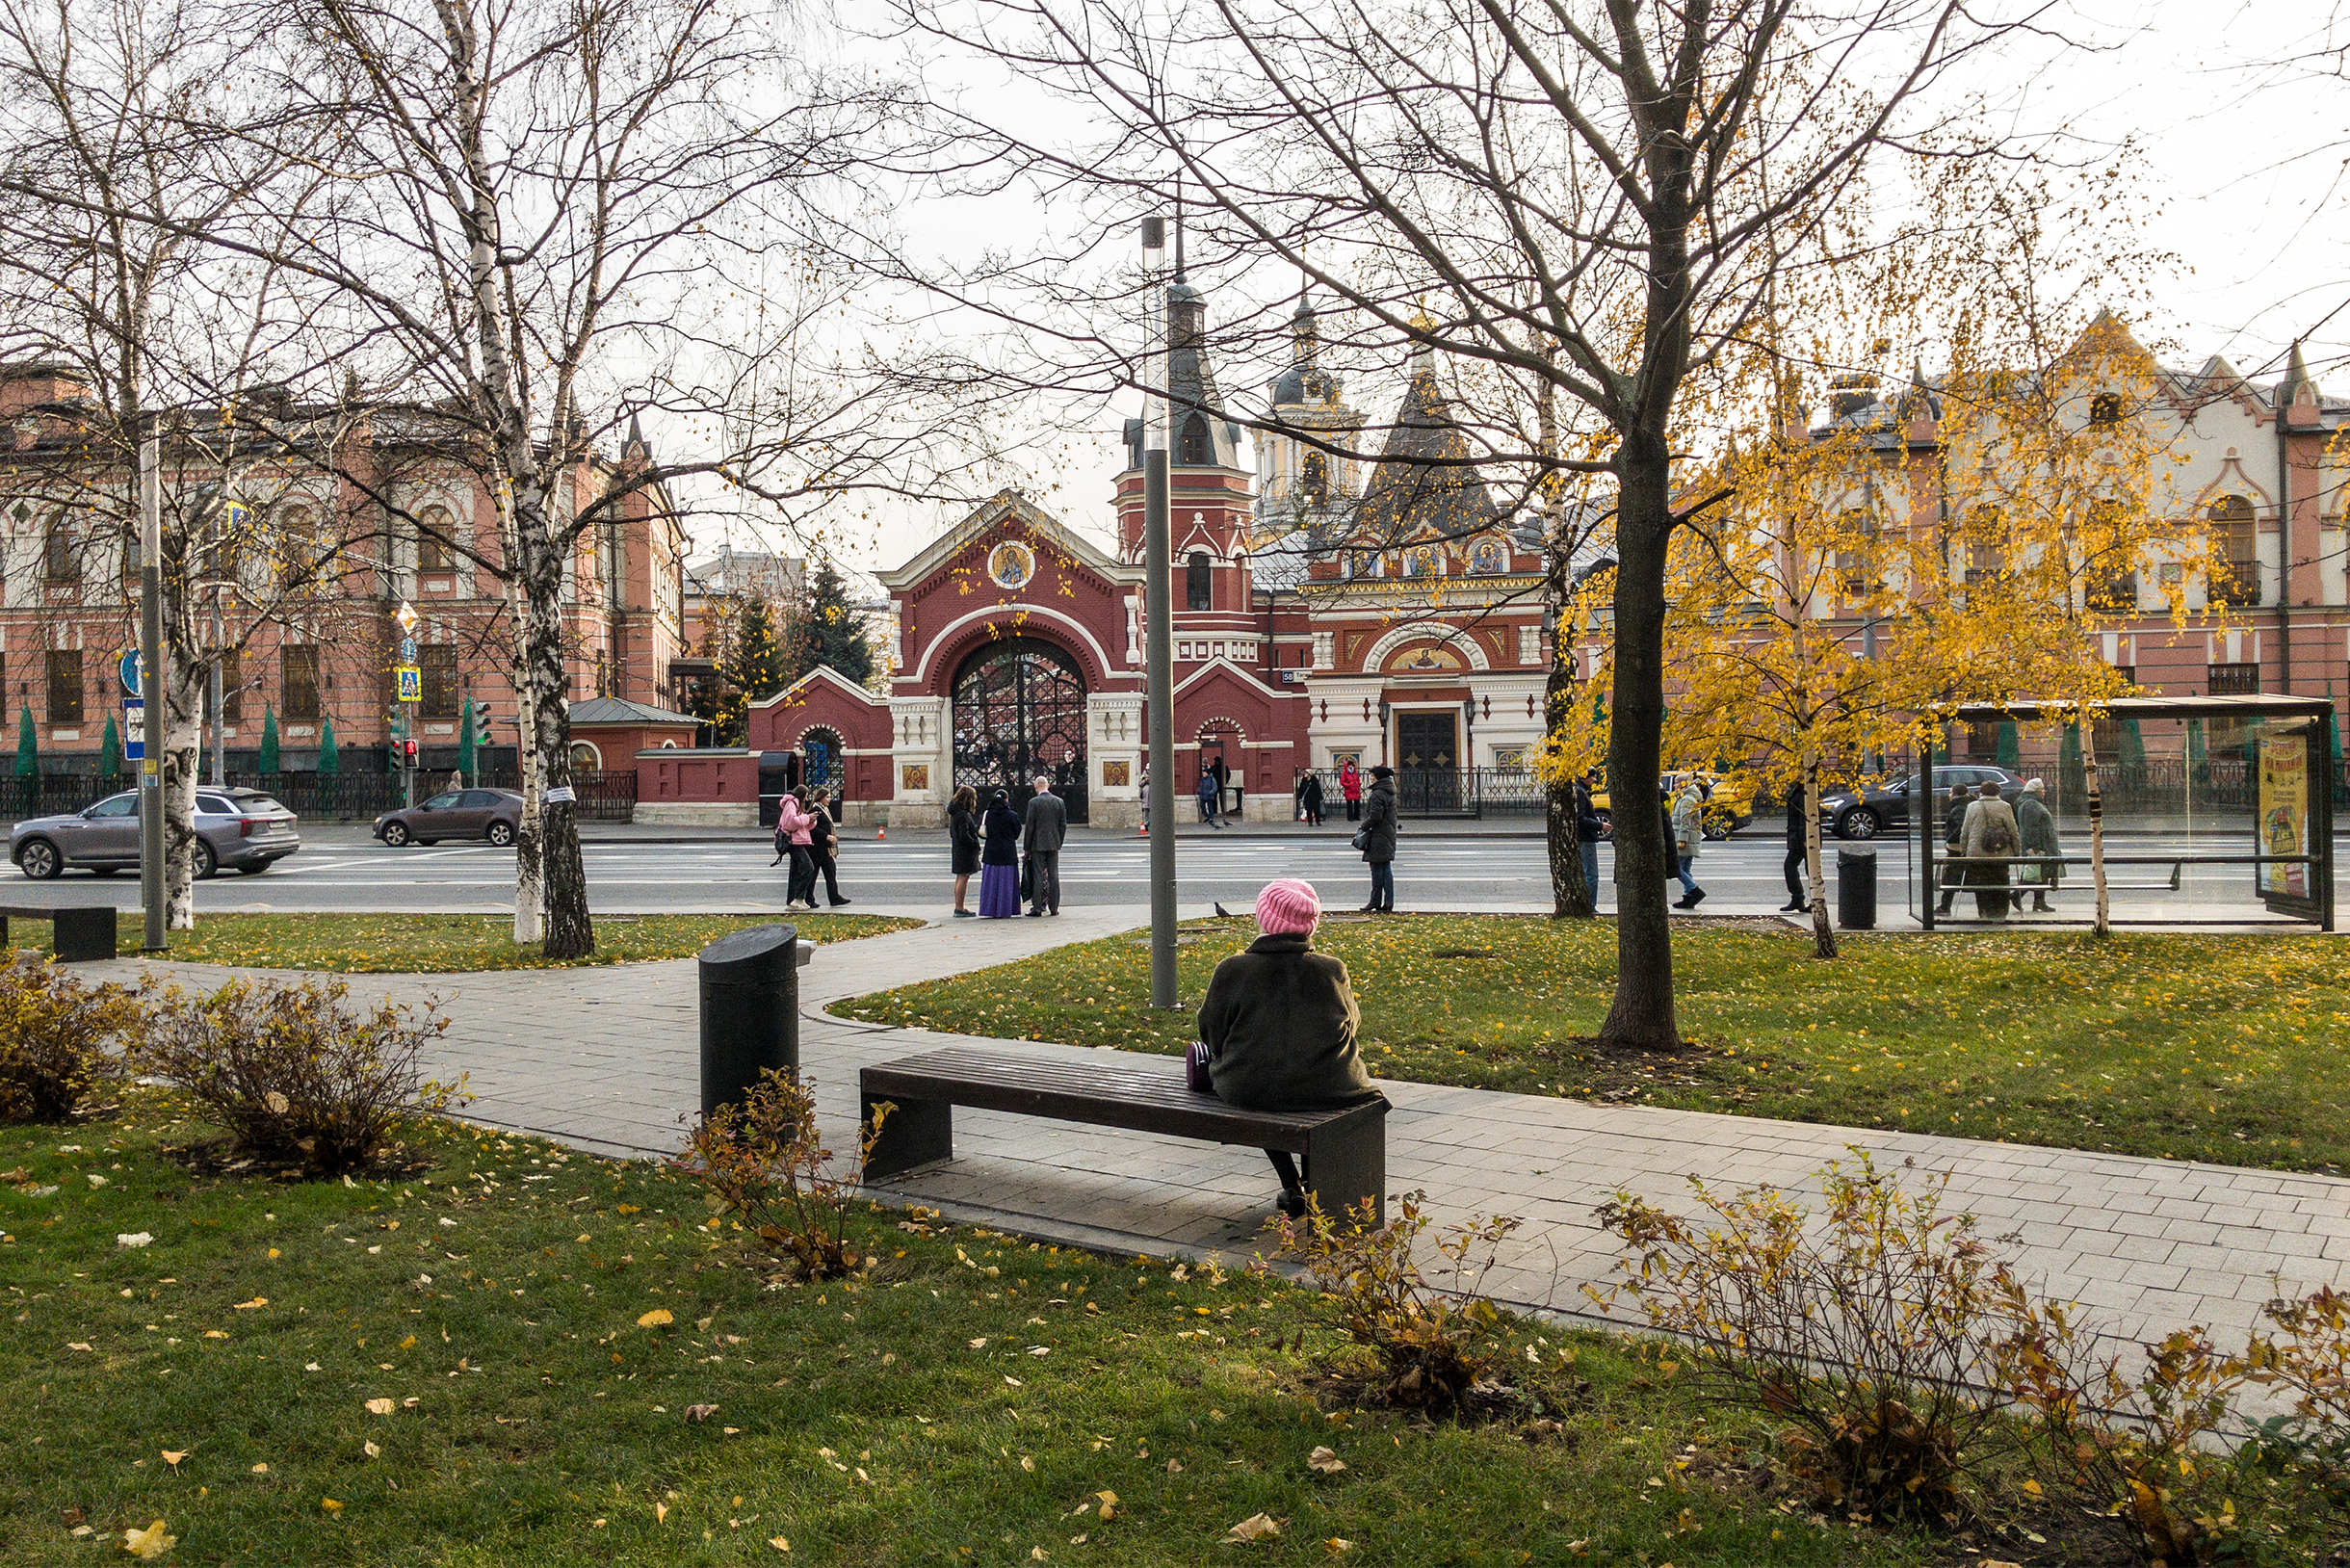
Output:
(1279, 1022)
(2036, 826)
(1988, 841)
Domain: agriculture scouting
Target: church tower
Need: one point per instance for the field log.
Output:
(1300, 483)
(1210, 495)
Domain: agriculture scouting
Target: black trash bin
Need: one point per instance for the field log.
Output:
(750, 1010)
(1856, 889)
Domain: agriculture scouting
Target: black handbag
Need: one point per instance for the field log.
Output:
(1028, 876)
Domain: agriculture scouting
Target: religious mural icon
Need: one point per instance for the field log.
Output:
(1423, 563)
(1010, 564)
(1486, 558)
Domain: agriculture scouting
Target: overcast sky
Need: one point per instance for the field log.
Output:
(2245, 131)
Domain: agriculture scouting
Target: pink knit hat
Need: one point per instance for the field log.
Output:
(1287, 906)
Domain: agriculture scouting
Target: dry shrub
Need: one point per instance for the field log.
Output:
(296, 1073)
(2310, 1365)
(56, 1038)
(2125, 1430)
(1871, 1337)
(763, 1162)
(1431, 1340)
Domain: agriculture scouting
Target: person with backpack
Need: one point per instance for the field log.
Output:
(1988, 839)
(794, 830)
(1685, 826)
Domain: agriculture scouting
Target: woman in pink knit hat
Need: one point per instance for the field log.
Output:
(1279, 1022)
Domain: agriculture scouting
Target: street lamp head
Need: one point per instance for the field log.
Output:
(1153, 242)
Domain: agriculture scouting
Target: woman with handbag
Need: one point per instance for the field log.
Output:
(824, 845)
(1278, 1026)
(963, 841)
(794, 830)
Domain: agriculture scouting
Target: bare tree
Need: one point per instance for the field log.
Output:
(1572, 190)
(138, 327)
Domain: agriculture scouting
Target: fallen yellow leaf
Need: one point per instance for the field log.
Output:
(380, 1407)
(779, 1543)
(1326, 1462)
(151, 1541)
(174, 1459)
(1334, 1545)
(661, 1513)
(409, 1344)
(1257, 1526)
(331, 1506)
(370, 1449)
(247, 1306)
(656, 1318)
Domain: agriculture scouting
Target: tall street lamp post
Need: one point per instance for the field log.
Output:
(1158, 610)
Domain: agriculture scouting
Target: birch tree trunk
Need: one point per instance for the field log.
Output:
(183, 737)
(2103, 925)
(530, 887)
(1823, 933)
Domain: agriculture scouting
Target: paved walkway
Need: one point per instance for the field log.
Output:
(605, 1059)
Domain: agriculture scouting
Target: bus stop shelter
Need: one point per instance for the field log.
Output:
(2215, 811)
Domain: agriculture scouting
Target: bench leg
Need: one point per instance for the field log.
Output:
(83, 934)
(914, 1134)
(1347, 1165)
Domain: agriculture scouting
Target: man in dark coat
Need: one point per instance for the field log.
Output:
(1279, 1022)
(1380, 824)
(1310, 794)
(1798, 821)
(1953, 839)
(1042, 828)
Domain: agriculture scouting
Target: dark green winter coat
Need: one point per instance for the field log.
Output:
(1380, 822)
(1279, 1022)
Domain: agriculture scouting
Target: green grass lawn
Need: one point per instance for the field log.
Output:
(445, 944)
(972, 1402)
(2227, 1048)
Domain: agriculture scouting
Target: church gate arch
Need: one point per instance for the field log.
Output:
(1019, 706)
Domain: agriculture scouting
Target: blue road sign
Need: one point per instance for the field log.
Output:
(129, 671)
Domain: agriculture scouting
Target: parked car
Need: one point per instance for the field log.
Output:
(495, 815)
(241, 830)
(1730, 807)
(1882, 808)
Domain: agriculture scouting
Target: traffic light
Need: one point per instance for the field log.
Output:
(407, 753)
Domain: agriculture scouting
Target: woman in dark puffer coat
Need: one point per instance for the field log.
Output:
(1279, 1022)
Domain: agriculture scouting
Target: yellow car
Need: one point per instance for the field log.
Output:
(1729, 807)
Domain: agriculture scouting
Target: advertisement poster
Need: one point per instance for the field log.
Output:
(2285, 806)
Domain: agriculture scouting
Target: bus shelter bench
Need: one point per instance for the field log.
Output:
(1951, 866)
(79, 932)
(1345, 1152)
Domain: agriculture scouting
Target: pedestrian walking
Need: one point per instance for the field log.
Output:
(1689, 820)
(999, 860)
(1223, 782)
(824, 845)
(1312, 791)
(1145, 787)
(1588, 832)
(1376, 839)
(1297, 795)
(1989, 838)
(794, 830)
(963, 844)
(1279, 1023)
(2036, 827)
(1042, 828)
(1209, 791)
(1350, 789)
(1798, 841)
(1954, 840)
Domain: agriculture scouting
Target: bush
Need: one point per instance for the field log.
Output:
(1871, 1338)
(762, 1161)
(1431, 1341)
(296, 1073)
(56, 1038)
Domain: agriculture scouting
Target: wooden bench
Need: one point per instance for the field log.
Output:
(78, 931)
(1344, 1151)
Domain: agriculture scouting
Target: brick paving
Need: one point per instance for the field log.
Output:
(605, 1059)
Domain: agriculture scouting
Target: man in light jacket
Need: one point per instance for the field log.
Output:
(1041, 829)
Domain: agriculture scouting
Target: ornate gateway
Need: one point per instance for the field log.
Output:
(1020, 711)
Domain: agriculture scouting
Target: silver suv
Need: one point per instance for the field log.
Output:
(242, 829)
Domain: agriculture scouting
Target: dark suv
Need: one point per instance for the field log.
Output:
(1882, 808)
(495, 815)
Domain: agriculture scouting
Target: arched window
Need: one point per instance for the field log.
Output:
(435, 529)
(2235, 536)
(1195, 587)
(1317, 485)
(2105, 410)
(1196, 451)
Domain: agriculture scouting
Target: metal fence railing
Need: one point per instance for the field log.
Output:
(609, 795)
(1451, 792)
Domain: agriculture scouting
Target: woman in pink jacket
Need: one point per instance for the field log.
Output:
(794, 827)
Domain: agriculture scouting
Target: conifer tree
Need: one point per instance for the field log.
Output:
(754, 670)
(827, 632)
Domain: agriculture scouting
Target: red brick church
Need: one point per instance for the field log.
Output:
(1311, 624)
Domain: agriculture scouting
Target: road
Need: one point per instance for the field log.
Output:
(343, 868)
